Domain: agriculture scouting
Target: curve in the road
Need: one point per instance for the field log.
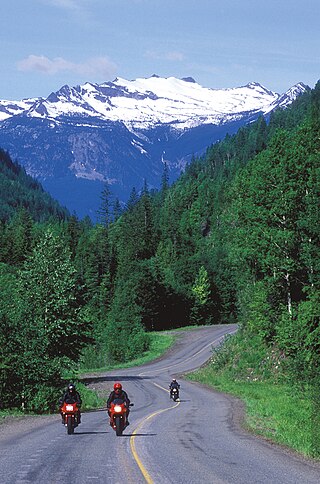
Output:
(186, 360)
(138, 460)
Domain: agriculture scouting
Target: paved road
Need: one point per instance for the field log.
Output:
(192, 441)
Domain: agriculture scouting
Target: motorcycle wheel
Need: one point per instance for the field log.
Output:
(70, 426)
(119, 428)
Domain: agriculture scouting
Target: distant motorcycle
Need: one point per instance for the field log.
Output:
(70, 416)
(118, 415)
(174, 394)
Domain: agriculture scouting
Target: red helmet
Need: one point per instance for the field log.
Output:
(117, 387)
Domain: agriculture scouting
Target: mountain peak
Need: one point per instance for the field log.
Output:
(145, 103)
(122, 132)
(298, 88)
(188, 79)
(253, 84)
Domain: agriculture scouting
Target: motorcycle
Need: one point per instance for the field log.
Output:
(118, 415)
(70, 416)
(174, 394)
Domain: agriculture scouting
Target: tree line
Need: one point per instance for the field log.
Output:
(234, 239)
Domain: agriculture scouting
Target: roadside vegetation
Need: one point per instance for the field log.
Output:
(93, 361)
(277, 405)
(92, 399)
(235, 239)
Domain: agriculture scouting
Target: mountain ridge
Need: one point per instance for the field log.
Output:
(122, 132)
(90, 99)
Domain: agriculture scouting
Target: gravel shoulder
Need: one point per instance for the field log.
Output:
(11, 426)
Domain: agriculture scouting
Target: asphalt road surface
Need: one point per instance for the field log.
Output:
(196, 440)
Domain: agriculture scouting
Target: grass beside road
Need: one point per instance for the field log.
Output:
(273, 408)
(159, 344)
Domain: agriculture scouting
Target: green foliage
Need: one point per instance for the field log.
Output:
(47, 287)
(94, 360)
(9, 379)
(299, 337)
(236, 238)
(90, 398)
(124, 334)
(248, 368)
(18, 190)
(41, 398)
(42, 328)
(201, 291)
(257, 312)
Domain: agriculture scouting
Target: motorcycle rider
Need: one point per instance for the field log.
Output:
(118, 392)
(174, 384)
(71, 396)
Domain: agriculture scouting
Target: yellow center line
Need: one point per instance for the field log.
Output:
(159, 386)
(142, 468)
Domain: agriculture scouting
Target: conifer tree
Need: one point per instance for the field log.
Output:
(104, 210)
(165, 179)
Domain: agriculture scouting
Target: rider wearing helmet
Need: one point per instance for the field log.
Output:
(118, 392)
(174, 384)
(71, 396)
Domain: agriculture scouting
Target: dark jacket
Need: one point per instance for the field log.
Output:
(71, 398)
(174, 384)
(123, 395)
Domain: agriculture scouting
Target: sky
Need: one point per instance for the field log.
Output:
(46, 44)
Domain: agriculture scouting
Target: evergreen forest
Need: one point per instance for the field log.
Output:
(234, 239)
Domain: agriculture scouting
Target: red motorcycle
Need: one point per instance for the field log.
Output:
(70, 413)
(118, 415)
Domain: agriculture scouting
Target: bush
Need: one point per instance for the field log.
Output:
(298, 335)
(44, 399)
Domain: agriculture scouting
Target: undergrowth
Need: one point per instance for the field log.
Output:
(277, 407)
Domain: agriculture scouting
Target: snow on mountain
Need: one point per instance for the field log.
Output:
(122, 132)
(288, 97)
(11, 108)
(145, 103)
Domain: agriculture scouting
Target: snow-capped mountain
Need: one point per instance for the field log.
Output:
(145, 103)
(121, 132)
(11, 108)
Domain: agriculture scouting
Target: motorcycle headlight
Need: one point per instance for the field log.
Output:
(117, 408)
(69, 408)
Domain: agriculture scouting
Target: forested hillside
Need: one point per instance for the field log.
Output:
(21, 191)
(235, 239)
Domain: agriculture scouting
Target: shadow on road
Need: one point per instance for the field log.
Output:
(89, 379)
(139, 435)
(92, 410)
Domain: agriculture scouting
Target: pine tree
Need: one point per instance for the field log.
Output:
(104, 210)
(117, 209)
(164, 180)
(19, 236)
